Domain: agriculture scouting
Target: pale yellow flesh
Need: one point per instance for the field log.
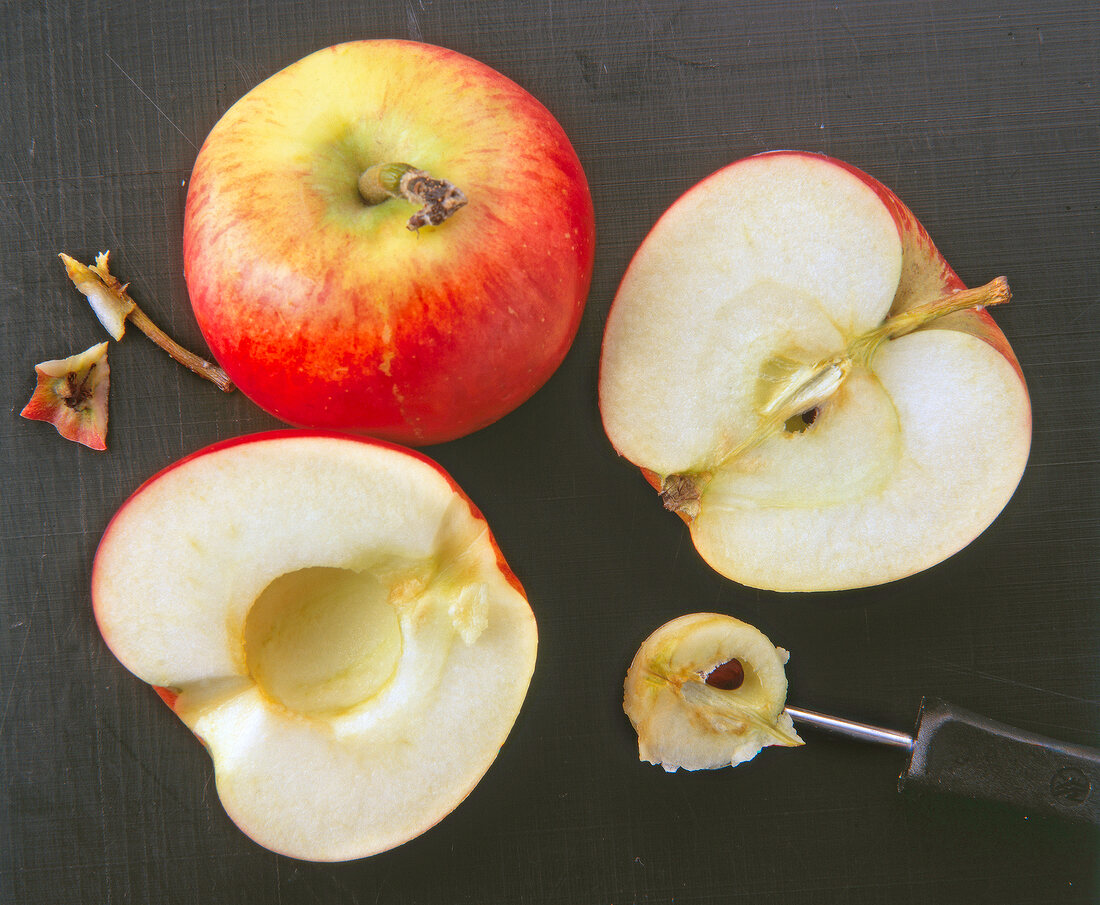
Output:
(335, 620)
(792, 256)
(683, 723)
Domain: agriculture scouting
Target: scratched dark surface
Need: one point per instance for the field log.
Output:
(983, 117)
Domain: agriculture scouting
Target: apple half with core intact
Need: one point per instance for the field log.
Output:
(391, 238)
(332, 618)
(807, 382)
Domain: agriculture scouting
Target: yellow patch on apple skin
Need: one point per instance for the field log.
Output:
(387, 350)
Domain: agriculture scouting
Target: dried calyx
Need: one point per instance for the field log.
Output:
(71, 394)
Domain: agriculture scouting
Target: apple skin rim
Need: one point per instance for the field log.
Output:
(169, 695)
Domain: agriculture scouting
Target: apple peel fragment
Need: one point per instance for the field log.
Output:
(843, 411)
(71, 394)
(706, 691)
(332, 617)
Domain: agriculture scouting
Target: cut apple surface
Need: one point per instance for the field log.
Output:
(807, 382)
(333, 619)
(706, 691)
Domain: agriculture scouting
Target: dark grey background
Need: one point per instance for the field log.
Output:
(982, 117)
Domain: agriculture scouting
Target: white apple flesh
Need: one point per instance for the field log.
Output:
(754, 367)
(332, 618)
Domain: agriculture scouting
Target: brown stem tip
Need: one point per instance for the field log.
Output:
(438, 198)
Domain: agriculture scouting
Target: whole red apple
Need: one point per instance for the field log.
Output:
(331, 303)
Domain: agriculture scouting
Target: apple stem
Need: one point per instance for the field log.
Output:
(864, 347)
(188, 359)
(103, 289)
(438, 198)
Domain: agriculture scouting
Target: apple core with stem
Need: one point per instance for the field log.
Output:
(807, 383)
(391, 238)
(332, 618)
(706, 691)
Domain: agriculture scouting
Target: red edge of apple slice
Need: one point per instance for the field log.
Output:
(169, 695)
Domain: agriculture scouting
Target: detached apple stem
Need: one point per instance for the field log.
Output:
(189, 360)
(438, 198)
(114, 305)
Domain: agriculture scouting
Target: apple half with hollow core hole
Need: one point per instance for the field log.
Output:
(805, 380)
(390, 238)
(331, 616)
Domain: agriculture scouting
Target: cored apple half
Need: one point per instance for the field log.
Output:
(332, 618)
(807, 382)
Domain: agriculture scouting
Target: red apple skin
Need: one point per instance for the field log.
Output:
(419, 337)
(168, 695)
(925, 275)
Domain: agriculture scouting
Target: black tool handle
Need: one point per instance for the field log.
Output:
(960, 752)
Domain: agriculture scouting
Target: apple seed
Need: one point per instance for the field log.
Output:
(728, 676)
(796, 424)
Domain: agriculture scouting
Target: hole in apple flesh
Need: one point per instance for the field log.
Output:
(322, 640)
(796, 424)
